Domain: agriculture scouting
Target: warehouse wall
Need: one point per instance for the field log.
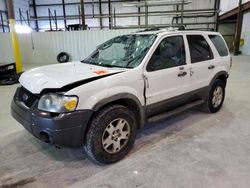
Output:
(2, 5)
(95, 22)
(18, 4)
(3, 8)
(43, 48)
(246, 34)
(21, 4)
(228, 31)
(226, 5)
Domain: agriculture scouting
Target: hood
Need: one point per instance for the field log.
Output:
(60, 75)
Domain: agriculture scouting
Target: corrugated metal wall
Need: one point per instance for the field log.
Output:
(226, 5)
(94, 21)
(246, 34)
(5, 48)
(43, 48)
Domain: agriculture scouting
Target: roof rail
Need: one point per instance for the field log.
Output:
(174, 28)
(201, 29)
(181, 28)
(170, 28)
(149, 29)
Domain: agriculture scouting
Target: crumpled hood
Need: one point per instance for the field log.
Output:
(59, 75)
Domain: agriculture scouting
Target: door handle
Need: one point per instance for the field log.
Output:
(211, 67)
(182, 74)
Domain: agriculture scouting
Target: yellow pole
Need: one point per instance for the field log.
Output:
(14, 37)
(15, 46)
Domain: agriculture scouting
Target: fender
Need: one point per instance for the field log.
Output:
(221, 73)
(131, 100)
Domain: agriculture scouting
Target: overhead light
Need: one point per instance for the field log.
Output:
(22, 29)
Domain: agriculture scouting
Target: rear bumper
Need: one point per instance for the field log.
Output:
(65, 129)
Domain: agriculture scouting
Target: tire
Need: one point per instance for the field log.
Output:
(103, 138)
(63, 57)
(213, 103)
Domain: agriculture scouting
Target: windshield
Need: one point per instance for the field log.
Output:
(125, 51)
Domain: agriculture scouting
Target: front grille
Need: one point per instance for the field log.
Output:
(27, 97)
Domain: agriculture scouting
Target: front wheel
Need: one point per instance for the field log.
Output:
(111, 134)
(215, 98)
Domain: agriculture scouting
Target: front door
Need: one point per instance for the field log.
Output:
(166, 74)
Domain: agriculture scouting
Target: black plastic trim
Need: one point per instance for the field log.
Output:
(224, 73)
(175, 110)
(171, 103)
(125, 96)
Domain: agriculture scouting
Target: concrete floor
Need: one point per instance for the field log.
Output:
(192, 149)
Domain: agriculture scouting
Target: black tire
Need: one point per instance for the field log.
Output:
(208, 106)
(93, 145)
(63, 57)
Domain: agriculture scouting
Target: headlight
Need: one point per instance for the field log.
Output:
(57, 103)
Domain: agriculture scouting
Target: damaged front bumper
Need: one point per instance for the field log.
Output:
(62, 129)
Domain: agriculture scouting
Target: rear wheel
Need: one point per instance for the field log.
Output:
(215, 98)
(111, 134)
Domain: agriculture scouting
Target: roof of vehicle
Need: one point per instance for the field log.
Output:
(172, 30)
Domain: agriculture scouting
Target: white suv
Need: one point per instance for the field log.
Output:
(127, 81)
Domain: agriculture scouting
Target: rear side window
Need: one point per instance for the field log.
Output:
(219, 45)
(199, 48)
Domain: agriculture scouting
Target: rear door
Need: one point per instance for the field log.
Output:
(202, 63)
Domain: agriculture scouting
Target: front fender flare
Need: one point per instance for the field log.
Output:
(126, 97)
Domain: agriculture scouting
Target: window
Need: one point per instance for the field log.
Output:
(219, 45)
(199, 48)
(169, 53)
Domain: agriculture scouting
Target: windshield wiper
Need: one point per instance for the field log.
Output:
(128, 63)
(107, 65)
(84, 61)
(101, 65)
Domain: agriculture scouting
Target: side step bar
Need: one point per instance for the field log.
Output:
(175, 111)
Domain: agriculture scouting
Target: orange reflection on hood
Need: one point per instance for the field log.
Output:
(99, 72)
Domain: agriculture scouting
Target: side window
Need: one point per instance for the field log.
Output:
(219, 45)
(169, 53)
(199, 48)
